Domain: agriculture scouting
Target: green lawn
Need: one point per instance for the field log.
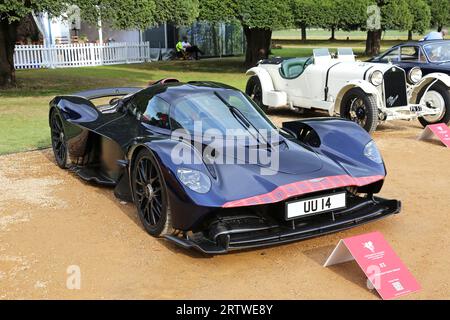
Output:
(23, 110)
(321, 34)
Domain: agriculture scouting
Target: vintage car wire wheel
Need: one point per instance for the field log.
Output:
(361, 108)
(59, 144)
(254, 91)
(150, 195)
(438, 97)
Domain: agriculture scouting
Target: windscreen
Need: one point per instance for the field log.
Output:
(209, 110)
(438, 52)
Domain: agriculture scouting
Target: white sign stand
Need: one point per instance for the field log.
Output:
(426, 134)
(439, 130)
(340, 254)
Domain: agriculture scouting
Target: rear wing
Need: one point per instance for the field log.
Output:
(107, 92)
(119, 91)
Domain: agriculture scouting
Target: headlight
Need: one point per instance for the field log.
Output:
(194, 180)
(376, 78)
(414, 75)
(371, 152)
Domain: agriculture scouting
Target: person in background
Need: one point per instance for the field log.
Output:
(187, 47)
(436, 35)
(179, 50)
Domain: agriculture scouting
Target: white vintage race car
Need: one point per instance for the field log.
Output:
(367, 93)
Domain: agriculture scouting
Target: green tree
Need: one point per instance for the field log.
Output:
(421, 14)
(306, 14)
(11, 12)
(394, 14)
(352, 14)
(121, 14)
(178, 12)
(440, 13)
(329, 14)
(257, 17)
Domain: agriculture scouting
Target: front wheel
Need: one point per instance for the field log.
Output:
(150, 195)
(438, 98)
(361, 108)
(254, 91)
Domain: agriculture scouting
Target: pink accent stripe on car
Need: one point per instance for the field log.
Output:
(303, 187)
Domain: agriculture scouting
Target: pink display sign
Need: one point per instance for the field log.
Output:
(384, 269)
(440, 130)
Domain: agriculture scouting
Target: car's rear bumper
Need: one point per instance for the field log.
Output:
(247, 231)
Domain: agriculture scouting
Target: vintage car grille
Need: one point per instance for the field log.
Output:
(395, 88)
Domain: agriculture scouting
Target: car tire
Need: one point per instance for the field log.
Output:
(254, 91)
(150, 195)
(59, 143)
(299, 110)
(361, 108)
(438, 94)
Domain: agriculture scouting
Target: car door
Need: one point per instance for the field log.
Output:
(295, 79)
(122, 128)
(299, 89)
(144, 114)
(411, 56)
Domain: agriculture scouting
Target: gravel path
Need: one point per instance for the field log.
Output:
(51, 221)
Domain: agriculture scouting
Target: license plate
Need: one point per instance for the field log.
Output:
(312, 206)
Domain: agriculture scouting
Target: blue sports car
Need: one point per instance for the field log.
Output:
(208, 170)
(430, 56)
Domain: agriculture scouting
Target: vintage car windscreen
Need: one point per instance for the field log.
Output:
(438, 52)
(214, 114)
(392, 55)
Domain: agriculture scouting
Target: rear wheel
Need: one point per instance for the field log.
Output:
(254, 90)
(59, 144)
(361, 108)
(150, 195)
(438, 98)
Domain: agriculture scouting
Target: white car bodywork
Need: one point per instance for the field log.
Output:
(324, 82)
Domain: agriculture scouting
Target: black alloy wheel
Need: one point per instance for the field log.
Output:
(59, 144)
(150, 195)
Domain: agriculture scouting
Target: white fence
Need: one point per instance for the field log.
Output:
(79, 55)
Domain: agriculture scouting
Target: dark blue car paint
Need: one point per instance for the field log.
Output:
(340, 152)
(426, 67)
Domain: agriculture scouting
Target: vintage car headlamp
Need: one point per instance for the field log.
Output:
(376, 78)
(195, 180)
(371, 151)
(414, 75)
